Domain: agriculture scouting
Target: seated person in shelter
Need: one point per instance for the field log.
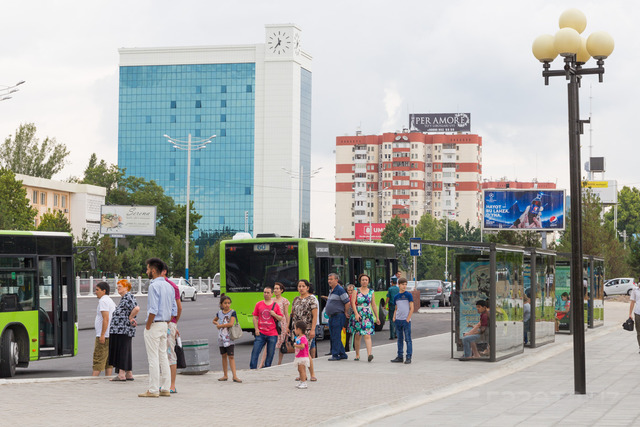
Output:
(563, 309)
(469, 339)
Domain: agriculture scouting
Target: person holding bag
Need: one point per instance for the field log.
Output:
(224, 320)
(265, 315)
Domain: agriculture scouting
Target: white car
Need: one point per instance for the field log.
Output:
(215, 288)
(186, 290)
(619, 286)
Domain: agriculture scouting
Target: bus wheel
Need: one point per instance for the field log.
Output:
(383, 317)
(8, 354)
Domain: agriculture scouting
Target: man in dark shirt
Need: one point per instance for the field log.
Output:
(337, 304)
(469, 339)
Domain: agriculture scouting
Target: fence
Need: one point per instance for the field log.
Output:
(85, 286)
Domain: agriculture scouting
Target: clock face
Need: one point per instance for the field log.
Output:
(279, 42)
(296, 44)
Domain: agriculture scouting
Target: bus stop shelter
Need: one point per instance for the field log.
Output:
(540, 287)
(492, 273)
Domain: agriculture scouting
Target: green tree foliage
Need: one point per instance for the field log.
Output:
(15, 211)
(81, 261)
(431, 264)
(209, 264)
(54, 221)
(529, 239)
(25, 155)
(103, 175)
(108, 263)
(397, 234)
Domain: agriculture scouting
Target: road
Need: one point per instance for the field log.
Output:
(194, 324)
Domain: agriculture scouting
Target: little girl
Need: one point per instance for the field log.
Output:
(302, 353)
(223, 321)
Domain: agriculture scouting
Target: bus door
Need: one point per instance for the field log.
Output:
(55, 317)
(323, 268)
(356, 267)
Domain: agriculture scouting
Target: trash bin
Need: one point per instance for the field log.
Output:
(196, 355)
(434, 303)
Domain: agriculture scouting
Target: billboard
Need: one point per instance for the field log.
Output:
(364, 231)
(128, 220)
(607, 191)
(443, 122)
(531, 210)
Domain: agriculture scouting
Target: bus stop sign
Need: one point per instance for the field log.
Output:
(415, 247)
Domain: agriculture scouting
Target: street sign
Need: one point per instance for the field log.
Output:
(415, 247)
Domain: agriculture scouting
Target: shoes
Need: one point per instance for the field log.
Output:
(165, 393)
(148, 394)
(237, 380)
(131, 379)
(327, 354)
(408, 361)
(344, 357)
(173, 390)
(334, 358)
(302, 385)
(392, 338)
(370, 358)
(118, 379)
(398, 360)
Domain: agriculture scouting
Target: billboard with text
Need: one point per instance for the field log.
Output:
(531, 210)
(442, 122)
(128, 220)
(369, 231)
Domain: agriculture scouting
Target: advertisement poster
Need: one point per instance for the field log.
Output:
(366, 230)
(474, 286)
(530, 210)
(443, 122)
(128, 220)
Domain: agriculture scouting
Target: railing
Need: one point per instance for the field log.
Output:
(85, 287)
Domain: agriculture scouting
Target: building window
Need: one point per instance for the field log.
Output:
(198, 89)
(223, 132)
(172, 119)
(173, 104)
(196, 162)
(63, 201)
(172, 162)
(198, 118)
(249, 89)
(172, 176)
(198, 104)
(223, 103)
(197, 133)
(223, 89)
(148, 119)
(223, 118)
(56, 199)
(247, 191)
(34, 198)
(221, 220)
(43, 198)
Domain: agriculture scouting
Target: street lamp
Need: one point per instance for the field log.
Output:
(300, 175)
(7, 90)
(576, 51)
(189, 146)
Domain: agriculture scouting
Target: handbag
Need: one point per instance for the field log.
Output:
(235, 331)
(628, 325)
(181, 363)
(287, 346)
(278, 327)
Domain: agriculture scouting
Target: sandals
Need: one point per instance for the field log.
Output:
(173, 390)
(223, 379)
(237, 380)
(118, 379)
(314, 379)
(370, 358)
(356, 359)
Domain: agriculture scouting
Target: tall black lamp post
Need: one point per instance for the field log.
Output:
(576, 51)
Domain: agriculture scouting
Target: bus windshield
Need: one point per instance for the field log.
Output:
(252, 266)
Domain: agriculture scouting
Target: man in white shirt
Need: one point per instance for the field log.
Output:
(105, 309)
(634, 310)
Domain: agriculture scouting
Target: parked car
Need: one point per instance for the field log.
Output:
(431, 290)
(187, 290)
(619, 286)
(215, 288)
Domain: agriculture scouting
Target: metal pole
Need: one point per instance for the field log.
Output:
(577, 312)
(300, 202)
(446, 249)
(186, 239)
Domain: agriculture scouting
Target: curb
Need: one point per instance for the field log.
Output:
(517, 363)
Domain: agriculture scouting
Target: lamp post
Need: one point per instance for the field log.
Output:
(188, 145)
(8, 90)
(576, 51)
(300, 175)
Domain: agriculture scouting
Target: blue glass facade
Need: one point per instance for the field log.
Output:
(305, 147)
(201, 100)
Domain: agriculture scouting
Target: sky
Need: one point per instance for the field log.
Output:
(374, 63)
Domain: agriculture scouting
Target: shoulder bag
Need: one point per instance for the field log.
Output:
(181, 362)
(278, 327)
(235, 331)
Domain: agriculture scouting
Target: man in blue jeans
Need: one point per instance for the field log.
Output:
(391, 296)
(265, 315)
(337, 304)
(402, 318)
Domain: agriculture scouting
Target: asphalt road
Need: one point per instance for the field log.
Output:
(194, 324)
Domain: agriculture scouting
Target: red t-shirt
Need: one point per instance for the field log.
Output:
(266, 322)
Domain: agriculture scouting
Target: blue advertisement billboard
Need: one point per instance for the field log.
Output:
(532, 210)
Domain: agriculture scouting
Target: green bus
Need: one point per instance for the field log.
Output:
(248, 265)
(38, 306)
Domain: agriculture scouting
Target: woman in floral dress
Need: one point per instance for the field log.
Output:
(305, 308)
(363, 318)
(278, 289)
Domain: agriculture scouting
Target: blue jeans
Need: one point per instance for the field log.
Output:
(336, 323)
(403, 329)
(466, 343)
(258, 345)
(392, 324)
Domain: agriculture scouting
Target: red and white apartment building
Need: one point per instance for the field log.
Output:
(406, 174)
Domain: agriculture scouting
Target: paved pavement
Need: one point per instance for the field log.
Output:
(535, 388)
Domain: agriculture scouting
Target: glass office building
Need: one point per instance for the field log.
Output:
(256, 101)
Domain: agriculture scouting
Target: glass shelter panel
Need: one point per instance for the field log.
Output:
(508, 307)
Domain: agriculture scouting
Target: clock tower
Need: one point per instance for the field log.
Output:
(282, 41)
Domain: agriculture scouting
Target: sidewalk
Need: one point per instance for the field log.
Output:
(535, 388)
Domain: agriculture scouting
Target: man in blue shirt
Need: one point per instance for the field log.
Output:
(391, 295)
(161, 305)
(337, 304)
(402, 318)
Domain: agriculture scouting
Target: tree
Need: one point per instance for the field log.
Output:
(54, 221)
(102, 175)
(396, 233)
(628, 211)
(24, 154)
(81, 261)
(15, 211)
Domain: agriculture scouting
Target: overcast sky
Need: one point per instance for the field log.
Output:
(374, 62)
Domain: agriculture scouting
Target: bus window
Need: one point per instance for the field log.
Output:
(17, 283)
(381, 280)
(251, 267)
